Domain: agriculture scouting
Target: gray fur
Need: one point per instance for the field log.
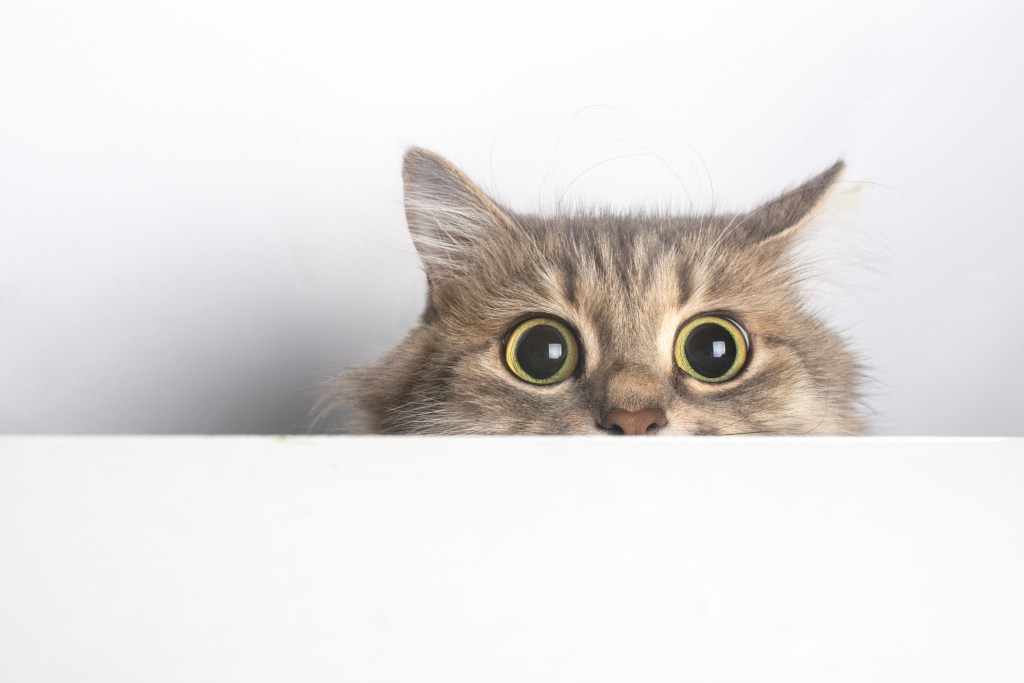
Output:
(625, 283)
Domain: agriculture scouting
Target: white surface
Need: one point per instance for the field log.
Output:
(200, 209)
(511, 560)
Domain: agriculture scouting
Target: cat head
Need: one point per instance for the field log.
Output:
(606, 323)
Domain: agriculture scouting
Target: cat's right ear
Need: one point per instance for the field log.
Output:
(452, 221)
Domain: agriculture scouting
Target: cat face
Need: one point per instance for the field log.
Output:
(601, 323)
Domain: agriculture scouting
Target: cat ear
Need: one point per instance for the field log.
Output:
(451, 219)
(790, 212)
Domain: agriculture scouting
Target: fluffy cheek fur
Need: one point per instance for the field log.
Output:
(774, 395)
(419, 389)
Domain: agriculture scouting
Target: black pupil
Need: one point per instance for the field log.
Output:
(541, 351)
(710, 349)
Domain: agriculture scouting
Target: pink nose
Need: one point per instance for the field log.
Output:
(634, 422)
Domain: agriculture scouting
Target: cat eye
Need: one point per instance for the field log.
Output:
(711, 348)
(542, 351)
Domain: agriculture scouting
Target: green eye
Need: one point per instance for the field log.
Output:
(541, 351)
(711, 348)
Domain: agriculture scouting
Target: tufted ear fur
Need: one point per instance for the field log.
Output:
(787, 214)
(452, 221)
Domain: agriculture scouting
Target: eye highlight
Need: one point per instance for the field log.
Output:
(711, 348)
(542, 351)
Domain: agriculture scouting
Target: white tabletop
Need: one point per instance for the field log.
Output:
(523, 559)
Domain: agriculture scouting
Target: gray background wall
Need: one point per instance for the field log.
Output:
(200, 210)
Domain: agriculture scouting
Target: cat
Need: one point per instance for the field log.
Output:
(592, 322)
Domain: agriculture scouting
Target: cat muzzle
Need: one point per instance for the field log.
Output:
(634, 422)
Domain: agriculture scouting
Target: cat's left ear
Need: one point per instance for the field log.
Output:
(781, 218)
(453, 222)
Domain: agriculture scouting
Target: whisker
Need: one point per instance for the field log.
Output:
(558, 204)
(816, 131)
